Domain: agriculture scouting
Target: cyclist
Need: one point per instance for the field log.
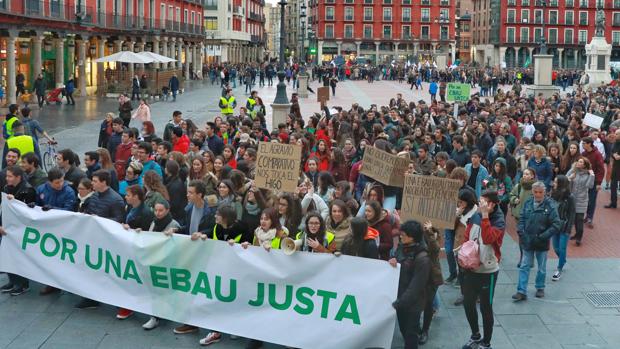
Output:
(33, 128)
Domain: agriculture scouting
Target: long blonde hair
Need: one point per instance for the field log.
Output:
(153, 182)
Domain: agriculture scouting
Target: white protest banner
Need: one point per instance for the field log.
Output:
(593, 121)
(430, 198)
(277, 166)
(306, 300)
(384, 167)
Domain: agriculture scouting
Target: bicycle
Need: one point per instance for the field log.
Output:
(49, 156)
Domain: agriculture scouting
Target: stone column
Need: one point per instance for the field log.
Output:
(60, 61)
(319, 52)
(100, 66)
(37, 42)
(164, 49)
(118, 46)
(396, 50)
(339, 43)
(531, 51)
(560, 51)
(180, 54)
(359, 47)
(434, 48)
(172, 52)
(197, 63)
(141, 49)
(82, 66)
(130, 46)
(156, 49)
(416, 45)
(11, 72)
(202, 58)
(453, 52)
(187, 62)
(71, 58)
(376, 52)
(502, 55)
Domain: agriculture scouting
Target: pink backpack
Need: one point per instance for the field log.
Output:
(469, 255)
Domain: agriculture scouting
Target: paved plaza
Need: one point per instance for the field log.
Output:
(563, 319)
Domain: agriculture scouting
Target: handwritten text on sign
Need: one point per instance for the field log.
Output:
(430, 198)
(277, 166)
(384, 167)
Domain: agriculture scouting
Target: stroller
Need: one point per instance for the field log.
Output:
(55, 95)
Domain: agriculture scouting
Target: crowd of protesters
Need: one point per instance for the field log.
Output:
(532, 157)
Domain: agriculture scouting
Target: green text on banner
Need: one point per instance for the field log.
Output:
(251, 293)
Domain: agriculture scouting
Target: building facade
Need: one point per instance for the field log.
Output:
(384, 30)
(236, 30)
(463, 38)
(509, 32)
(273, 30)
(60, 39)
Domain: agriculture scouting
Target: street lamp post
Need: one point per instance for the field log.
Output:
(302, 15)
(281, 97)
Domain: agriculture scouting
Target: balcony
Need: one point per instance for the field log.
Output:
(329, 17)
(524, 40)
(406, 19)
(387, 18)
(583, 22)
(348, 18)
(582, 41)
(387, 36)
(367, 18)
(568, 41)
(425, 37)
(406, 36)
(510, 40)
(367, 35)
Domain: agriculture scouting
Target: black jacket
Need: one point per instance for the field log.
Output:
(566, 211)
(141, 219)
(178, 198)
(415, 272)
(74, 176)
(109, 204)
(23, 192)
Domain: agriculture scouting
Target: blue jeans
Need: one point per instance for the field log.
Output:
(527, 262)
(449, 245)
(592, 193)
(559, 242)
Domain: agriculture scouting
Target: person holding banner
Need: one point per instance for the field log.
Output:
(315, 237)
(339, 221)
(17, 188)
(415, 272)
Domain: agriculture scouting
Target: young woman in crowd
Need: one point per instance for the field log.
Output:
(500, 182)
(339, 221)
(229, 155)
(362, 241)
(289, 213)
(155, 190)
(379, 219)
(315, 237)
(581, 177)
(570, 157)
(566, 210)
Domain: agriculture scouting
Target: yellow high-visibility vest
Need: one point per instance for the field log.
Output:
(24, 143)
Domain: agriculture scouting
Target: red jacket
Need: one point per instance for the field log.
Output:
(121, 157)
(383, 226)
(598, 165)
(182, 144)
(323, 162)
(491, 235)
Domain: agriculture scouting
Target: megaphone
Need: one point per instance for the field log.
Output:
(289, 246)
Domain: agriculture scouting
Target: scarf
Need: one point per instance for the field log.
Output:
(265, 236)
(252, 208)
(84, 198)
(465, 217)
(161, 224)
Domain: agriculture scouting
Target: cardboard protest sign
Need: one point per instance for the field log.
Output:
(277, 166)
(593, 121)
(384, 167)
(458, 92)
(430, 198)
(322, 94)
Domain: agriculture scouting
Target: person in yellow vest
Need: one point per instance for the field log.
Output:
(251, 104)
(19, 140)
(11, 118)
(315, 237)
(228, 103)
(270, 232)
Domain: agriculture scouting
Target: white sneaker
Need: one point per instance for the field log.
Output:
(151, 324)
(212, 337)
(557, 275)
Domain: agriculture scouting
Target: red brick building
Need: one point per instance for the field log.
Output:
(384, 30)
(510, 30)
(63, 38)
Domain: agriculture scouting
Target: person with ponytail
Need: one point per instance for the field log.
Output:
(566, 210)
